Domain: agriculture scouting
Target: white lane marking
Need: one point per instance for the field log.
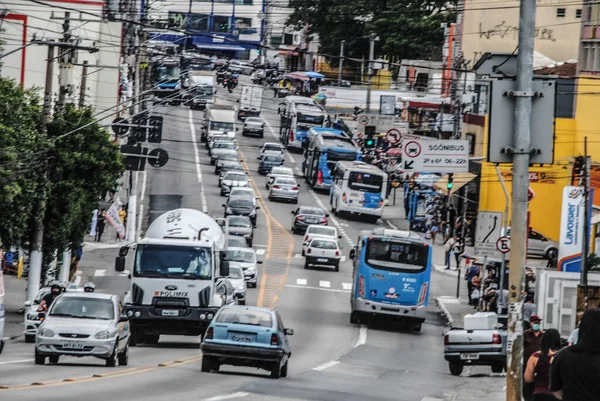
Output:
(316, 288)
(301, 281)
(141, 203)
(100, 273)
(125, 273)
(231, 396)
(258, 246)
(342, 259)
(144, 179)
(77, 279)
(326, 365)
(362, 336)
(197, 158)
(19, 361)
(334, 221)
(298, 255)
(347, 286)
(392, 225)
(431, 399)
(325, 284)
(260, 252)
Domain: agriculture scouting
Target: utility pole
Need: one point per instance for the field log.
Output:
(372, 39)
(521, 156)
(65, 66)
(35, 268)
(456, 97)
(83, 86)
(341, 62)
(585, 251)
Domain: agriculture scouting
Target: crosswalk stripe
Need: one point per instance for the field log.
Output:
(99, 273)
(301, 281)
(298, 255)
(342, 259)
(260, 252)
(347, 286)
(325, 284)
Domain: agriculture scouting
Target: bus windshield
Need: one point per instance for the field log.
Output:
(168, 73)
(397, 256)
(365, 182)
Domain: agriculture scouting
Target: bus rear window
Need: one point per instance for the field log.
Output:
(365, 182)
(390, 255)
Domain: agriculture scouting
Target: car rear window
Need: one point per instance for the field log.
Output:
(274, 159)
(235, 177)
(312, 211)
(249, 317)
(282, 171)
(323, 244)
(322, 231)
(284, 181)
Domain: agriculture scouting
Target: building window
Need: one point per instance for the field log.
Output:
(578, 13)
(561, 12)
(471, 138)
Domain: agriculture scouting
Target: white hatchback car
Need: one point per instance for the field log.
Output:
(278, 172)
(32, 316)
(323, 252)
(317, 231)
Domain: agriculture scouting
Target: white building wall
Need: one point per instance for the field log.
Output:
(28, 20)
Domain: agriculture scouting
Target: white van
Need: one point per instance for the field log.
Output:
(2, 311)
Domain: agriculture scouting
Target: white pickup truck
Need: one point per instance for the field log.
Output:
(481, 342)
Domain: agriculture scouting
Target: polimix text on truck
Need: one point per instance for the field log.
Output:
(176, 276)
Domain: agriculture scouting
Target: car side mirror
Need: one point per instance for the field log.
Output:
(293, 212)
(123, 319)
(339, 236)
(260, 262)
(120, 263)
(224, 205)
(28, 303)
(123, 251)
(298, 185)
(326, 214)
(352, 253)
(288, 332)
(224, 269)
(258, 158)
(257, 207)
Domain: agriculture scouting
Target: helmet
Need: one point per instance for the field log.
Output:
(89, 287)
(56, 286)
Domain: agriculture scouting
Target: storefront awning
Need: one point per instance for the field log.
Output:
(459, 180)
(220, 46)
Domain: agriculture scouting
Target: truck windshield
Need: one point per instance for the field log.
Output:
(173, 262)
(221, 126)
(397, 256)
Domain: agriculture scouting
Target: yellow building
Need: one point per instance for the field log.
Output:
(492, 26)
(548, 181)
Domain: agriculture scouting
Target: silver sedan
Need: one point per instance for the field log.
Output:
(285, 188)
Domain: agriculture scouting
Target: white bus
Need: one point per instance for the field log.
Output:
(358, 188)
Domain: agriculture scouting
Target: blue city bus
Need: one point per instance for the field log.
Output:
(324, 147)
(391, 277)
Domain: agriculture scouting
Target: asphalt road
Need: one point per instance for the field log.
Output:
(332, 359)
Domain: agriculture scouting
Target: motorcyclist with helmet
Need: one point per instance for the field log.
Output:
(89, 287)
(46, 303)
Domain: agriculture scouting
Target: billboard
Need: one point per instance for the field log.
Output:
(571, 229)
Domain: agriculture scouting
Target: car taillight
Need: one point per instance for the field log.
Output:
(276, 187)
(274, 339)
(209, 334)
(320, 177)
(344, 198)
(446, 339)
(306, 239)
(309, 250)
(423, 293)
(291, 136)
(324, 221)
(294, 188)
(380, 203)
(361, 286)
(299, 218)
(496, 339)
(337, 253)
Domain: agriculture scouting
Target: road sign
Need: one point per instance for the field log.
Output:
(393, 136)
(436, 156)
(363, 120)
(489, 230)
(387, 104)
(382, 123)
(118, 128)
(158, 157)
(503, 244)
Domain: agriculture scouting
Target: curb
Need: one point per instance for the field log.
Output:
(445, 312)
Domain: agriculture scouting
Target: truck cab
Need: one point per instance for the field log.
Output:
(178, 279)
(219, 120)
(201, 91)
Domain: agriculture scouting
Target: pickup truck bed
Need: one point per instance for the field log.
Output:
(475, 347)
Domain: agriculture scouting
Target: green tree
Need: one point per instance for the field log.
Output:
(82, 166)
(21, 155)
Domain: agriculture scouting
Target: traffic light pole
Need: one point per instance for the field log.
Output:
(448, 203)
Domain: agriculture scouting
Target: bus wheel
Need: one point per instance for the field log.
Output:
(355, 318)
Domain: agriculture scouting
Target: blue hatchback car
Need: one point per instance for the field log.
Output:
(247, 336)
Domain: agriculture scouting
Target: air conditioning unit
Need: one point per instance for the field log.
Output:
(297, 38)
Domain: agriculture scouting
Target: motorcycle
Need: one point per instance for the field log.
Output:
(220, 77)
(232, 83)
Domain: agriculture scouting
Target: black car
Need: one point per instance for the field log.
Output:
(241, 206)
(221, 159)
(305, 216)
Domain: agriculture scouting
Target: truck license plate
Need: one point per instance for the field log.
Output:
(72, 344)
(469, 356)
(322, 260)
(170, 312)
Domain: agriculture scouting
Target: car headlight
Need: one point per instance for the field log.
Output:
(33, 316)
(46, 333)
(251, 268)
(240, 289)
(103, 335)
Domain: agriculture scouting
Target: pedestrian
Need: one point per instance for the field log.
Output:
(122, 216)
(94, 224)
(575, 371)
(532, 342)
(471, 270)
(407, 205)
(100, 225)
(574, 337)
(448, 247)
(529, 308)
(458, 250)
(538, 366)
(434, 229)
(476, 293)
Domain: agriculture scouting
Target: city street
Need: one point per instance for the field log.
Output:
(332, 359)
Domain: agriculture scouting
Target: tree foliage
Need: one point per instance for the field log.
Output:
(408, 29)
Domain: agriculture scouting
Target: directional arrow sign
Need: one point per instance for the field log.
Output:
(408, 165)
(489, 230)
(158, 157)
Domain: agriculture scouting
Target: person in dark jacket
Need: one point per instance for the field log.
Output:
(538, 366)
(532, 342)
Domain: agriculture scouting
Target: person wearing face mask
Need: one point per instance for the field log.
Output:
(532, 342)
(55, 291)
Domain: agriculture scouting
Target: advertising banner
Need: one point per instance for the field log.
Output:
(112, 217)
(571, 230)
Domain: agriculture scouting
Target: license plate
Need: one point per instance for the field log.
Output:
(170, 312)
(322, 260)
(241, 339)
(469, 356)
(311, 221)
(72, 344)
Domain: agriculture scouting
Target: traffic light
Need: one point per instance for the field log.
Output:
(138, 134)
(370, 132)
(450, 181)
(155, 130)
(223, 26)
